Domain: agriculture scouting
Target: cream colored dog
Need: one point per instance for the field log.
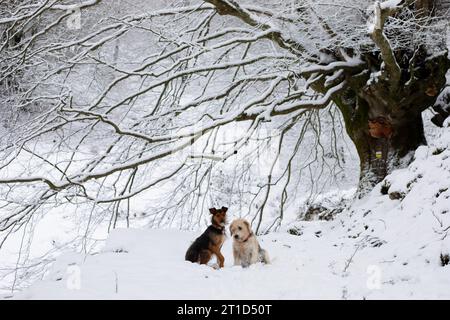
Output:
(246, 249)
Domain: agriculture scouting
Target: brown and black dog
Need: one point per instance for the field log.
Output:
(211, 241)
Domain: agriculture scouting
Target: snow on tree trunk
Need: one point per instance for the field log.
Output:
(386, 125)
(380, 154)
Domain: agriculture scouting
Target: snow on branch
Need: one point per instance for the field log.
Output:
(131, 92)
(380, 13)
(231, 7)
(75, 6)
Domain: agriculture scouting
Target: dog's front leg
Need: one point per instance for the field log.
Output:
(236, 256)
(221, 259)
(246, 260)
(219, 256)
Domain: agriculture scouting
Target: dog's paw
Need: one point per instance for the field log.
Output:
(215, 266)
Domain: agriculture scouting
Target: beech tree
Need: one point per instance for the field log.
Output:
(193, 68)
(384, 79)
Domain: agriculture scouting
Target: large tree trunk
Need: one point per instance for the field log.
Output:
(386, 125)
(382, 148)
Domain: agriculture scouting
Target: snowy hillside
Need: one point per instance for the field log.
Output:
(391, 244)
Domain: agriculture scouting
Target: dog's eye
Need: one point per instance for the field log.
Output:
(240, 228)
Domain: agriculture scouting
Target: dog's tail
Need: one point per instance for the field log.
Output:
(191, 254)
(264, 256)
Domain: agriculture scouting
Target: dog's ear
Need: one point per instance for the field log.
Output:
(224, 209)
(231, 230)
(248, 226)
(212, 210)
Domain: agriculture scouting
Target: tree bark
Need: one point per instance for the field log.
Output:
(386, 126)
(381, 154)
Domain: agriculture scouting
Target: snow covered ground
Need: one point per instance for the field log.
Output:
(392, 244)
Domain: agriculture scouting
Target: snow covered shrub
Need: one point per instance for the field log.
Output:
(385, 187)
(327, 206)
(445, 259)
(320, 213)
(396, 195)
(295, 231)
